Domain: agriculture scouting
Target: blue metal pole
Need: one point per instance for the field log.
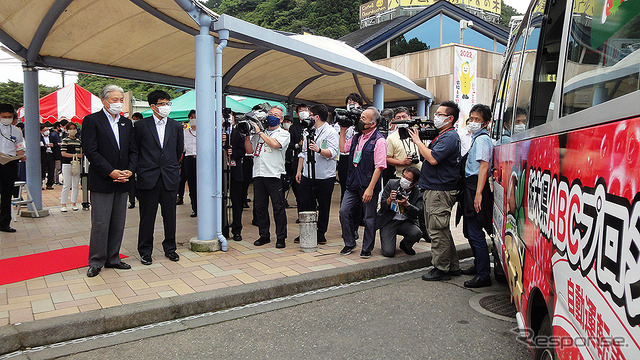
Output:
(378, 95)
(223, 35)
(421, 107)
(205, 148)
(32, 134)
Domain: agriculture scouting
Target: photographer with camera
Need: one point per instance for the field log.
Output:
(400, 209)
(353, 101)
(268, 148)
(236, 152)
(401, 151)
(439, 184)
(367, 152)
(317, 167)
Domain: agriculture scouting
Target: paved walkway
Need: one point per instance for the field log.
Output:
(71, 292)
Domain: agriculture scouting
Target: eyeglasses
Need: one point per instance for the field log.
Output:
(441, 114)
(273, 114)
(163, 103)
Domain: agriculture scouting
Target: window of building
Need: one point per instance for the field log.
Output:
(422, 37)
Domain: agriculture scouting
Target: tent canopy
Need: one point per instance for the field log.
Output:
(71, 102)
(155, 42)
(186, 102)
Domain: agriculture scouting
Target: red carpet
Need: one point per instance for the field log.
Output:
(31, 266)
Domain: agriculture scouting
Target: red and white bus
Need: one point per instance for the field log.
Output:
(567, 177)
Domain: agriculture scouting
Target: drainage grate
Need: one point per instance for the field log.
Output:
(499, 304)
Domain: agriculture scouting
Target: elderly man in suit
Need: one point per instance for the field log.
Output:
(400, 208)
(159, 142)
(106, 143)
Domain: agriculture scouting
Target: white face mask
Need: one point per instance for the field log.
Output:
(303, 115)
(474, 127)
(115, 108)
(6, 121)
(286, 125)
(46, 133)
(164, 110)
(440, 121)
(518, 128)
(73, 132)
(192, 122)
(405, 184)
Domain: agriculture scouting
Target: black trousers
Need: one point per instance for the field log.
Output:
(263, 189)
(238, 197)
(308, 197)
(342, 167)
(48, 168)
(132, 189)
(247, 173)
(149, 200)
(183, 180)
(8, 175)
(189, 167)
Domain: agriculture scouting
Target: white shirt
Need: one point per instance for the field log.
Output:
(114, 125)
(10, 140)
(46, 142)
(189, 142)
(326, 138)
(161, 124)
(269, 162)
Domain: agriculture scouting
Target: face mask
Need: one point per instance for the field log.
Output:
(192, 122)
(286, 125)
(439, 121)
(46, 133)
(474, 127)
(115, 108)
(164, 110)
(405, 184)
(518, 128)
(361, 125)
(73, 132)
(303, 115)
(273, 121)
(6, 121)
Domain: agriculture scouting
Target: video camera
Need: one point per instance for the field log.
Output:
(307, 124)
(258, 115)
(226, 117)
(347, 117)
(425, 127)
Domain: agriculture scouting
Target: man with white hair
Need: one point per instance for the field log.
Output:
(268, 148)
(105, 143)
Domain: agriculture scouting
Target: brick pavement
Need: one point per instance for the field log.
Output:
(71, 292)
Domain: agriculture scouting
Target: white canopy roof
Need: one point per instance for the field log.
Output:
(153, 40)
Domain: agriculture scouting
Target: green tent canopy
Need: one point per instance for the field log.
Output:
(181, 105)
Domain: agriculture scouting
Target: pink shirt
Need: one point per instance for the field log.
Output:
(379, 152)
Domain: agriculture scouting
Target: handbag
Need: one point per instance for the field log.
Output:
(75, 165)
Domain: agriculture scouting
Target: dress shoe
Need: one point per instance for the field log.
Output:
(478, 282)
(280, 244)
(173, 256)
(470, 271)
(406, 248)
(237, 237)
(93, 271)
(146, 259)
(7, 229)
(436, 274)
(132, 205)
(245, 205)
(261, 242)
(179, 201)
(51, 188)
(121, 265)
(296, 240)
(322, 240)
(193, 214)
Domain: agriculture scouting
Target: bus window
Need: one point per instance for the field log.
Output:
(509, 85)
(603, 55)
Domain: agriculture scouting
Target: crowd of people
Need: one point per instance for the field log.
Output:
(396, 182)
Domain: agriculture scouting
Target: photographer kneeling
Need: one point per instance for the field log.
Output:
(400, 209)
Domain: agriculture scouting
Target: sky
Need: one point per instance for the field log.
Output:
(11, 68)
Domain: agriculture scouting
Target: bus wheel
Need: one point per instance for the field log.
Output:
(546, 351)
(498, 271)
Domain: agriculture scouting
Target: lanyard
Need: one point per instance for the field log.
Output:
(437, 137)
(11, 138)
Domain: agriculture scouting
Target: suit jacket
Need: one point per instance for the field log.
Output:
(413, 211)
(101, 149)
(237, 155)
(54, 139)
(152, 160)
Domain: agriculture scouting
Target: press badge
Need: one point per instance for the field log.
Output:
(357, 157)
(324, 144)
(394, 206)
(232, 163)
(258, 149)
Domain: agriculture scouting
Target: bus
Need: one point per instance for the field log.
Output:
(566, 178)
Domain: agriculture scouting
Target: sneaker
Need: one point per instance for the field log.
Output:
(64, 209)
(74, 208)
(365, 254)
(346, 250)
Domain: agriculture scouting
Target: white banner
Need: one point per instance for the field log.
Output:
(464, 89)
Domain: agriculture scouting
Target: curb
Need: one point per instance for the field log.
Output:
(32, 334)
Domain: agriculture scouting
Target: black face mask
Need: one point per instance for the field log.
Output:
(361, 125)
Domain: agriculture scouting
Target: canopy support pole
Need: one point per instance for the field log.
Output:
(219, 154)
(378, 95)
(421, 107)
(32, 134)
(205, 145)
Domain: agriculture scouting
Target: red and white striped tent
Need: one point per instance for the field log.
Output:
(71, 102)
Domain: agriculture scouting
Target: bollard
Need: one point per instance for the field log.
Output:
(308, 231)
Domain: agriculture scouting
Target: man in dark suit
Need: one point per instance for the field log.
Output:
(49, 151)
(238, 197)
(106, 143)
(400, 208)
(159, 142)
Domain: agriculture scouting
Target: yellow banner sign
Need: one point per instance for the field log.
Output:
(373, 8)
(493, 6)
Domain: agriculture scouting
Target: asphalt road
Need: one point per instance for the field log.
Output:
(398, 317)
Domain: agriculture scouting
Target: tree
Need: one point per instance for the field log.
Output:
(94, 84)
(12, 92)
(506, 13)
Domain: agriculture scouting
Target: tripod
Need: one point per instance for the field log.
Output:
(226, 173)
(311, 164)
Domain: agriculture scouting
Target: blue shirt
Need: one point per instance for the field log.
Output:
(443, 176)
(481, 150)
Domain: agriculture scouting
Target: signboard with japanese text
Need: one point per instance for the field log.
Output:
(373, 7)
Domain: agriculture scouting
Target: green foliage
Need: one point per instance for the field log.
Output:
(506, 13)
(12, 92)
(94, 84)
